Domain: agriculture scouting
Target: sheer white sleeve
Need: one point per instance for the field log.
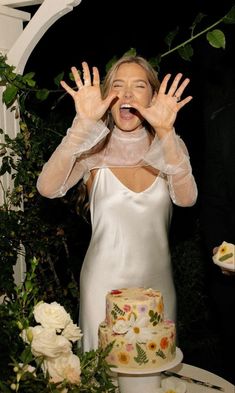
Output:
(170, 156)
(65, 168)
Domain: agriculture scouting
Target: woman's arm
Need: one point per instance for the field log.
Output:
(170, 156)
(66, 165)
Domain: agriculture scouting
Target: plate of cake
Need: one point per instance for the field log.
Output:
(224, 257)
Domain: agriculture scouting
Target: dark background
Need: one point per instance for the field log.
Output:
(97, 30)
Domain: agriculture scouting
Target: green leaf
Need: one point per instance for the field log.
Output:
(216, 38)
(110, 63)
(130, 52)
(196, 21)
(230, 16)
(58, 79)
(28, 79)
(155, 61)
(26, 356)
(9, 95)
(171, 36)
(186, 52)
(42, 94)
(198, 18)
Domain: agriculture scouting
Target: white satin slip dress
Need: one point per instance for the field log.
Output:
(128, 247)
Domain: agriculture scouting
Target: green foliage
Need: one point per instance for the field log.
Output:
(22, 217)
(95, 371)
(16, 314)
(214, 37)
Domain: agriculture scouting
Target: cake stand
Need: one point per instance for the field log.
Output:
(136, 381)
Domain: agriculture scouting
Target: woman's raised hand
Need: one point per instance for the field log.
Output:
(87, 98)
(162, 111)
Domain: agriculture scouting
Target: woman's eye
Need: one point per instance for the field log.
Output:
(117, 85)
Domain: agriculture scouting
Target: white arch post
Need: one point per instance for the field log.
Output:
(17, 43)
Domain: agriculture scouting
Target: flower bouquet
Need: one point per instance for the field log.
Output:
(42, 351)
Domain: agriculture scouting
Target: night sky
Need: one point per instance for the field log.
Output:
(97, 30)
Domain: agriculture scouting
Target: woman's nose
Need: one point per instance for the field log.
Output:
(128, 93)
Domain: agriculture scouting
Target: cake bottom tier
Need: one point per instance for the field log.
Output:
(143, 349)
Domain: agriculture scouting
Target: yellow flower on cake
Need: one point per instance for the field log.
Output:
(152, 346)
(123, 357)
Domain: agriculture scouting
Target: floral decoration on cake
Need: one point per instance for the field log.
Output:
(135, 323)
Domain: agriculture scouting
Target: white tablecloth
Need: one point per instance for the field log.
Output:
(186, 370)
(202, 375)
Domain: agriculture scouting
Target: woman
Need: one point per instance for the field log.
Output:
(123, 146)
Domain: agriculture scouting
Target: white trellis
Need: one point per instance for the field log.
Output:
(17, 43)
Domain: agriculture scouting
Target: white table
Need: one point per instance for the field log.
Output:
(202, 375)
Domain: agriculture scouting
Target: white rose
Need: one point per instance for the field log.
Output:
(28, 334)
(72, 332)
(51, 315)
(66, 367)
(47, 343)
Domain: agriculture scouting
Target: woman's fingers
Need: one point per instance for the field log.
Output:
(77, 78)
(163, 85)
(87, 81)
(86, 74)
(179, 90)
(174, 86)
(176, 89)
(96, 76)
(67, 88)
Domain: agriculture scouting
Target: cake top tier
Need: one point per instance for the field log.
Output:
(134, 294)
(126, 304)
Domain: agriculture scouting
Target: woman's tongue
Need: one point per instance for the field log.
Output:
(127, 113)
